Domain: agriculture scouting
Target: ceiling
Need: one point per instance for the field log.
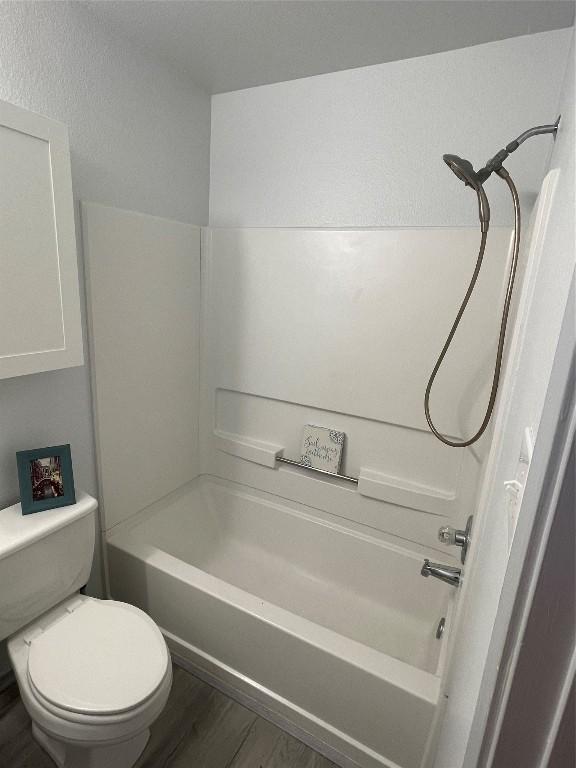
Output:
(225, 45)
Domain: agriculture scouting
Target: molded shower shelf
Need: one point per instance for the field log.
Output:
(371, 483)
(247, 448)
(405, 493)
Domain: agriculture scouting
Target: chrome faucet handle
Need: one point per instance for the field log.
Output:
(451, 536)
(447, 535)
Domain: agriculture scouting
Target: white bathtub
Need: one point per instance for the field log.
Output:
(332, 631)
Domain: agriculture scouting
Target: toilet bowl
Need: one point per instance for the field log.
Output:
(93, 676)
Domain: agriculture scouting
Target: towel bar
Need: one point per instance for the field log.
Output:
(337, 475)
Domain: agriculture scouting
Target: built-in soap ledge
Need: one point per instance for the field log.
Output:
(370, 483)
(247, 448)
(394, 490)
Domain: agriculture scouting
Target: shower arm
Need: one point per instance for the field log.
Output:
(503, 173)
(495, 163)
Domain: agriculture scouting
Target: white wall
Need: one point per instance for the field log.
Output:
(139, 139)
(364, 147)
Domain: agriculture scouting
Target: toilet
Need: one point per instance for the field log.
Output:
(93, 674)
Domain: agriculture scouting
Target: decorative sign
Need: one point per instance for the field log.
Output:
(322, 448)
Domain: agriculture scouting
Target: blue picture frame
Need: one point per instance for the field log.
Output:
(46, 478)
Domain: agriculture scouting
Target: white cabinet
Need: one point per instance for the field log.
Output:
(40, 327)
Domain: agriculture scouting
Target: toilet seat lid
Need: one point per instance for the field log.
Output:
(105, 657)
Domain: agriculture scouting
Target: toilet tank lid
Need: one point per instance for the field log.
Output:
(18, 531)
(105, 657)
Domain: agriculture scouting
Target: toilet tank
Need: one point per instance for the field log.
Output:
(44, 558)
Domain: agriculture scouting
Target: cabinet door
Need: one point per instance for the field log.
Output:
(40, 327)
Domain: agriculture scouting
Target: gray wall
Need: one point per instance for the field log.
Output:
(364, 147)
(139, 139)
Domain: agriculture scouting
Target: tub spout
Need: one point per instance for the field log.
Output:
(447, 573)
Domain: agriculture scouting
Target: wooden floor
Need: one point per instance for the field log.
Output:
(199, 728)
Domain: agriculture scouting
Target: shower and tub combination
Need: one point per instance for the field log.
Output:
(300, 593)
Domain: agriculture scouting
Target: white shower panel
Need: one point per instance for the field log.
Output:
(144, 310)
(352, 321)
(341, 329)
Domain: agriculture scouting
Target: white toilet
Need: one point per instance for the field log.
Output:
(93, 674)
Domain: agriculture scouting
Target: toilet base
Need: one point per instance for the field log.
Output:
(68, 755)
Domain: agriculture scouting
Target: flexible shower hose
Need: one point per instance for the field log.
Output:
(503, 173)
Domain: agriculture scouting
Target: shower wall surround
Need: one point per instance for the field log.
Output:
(337, 328)
(340, 328)
(143, 276)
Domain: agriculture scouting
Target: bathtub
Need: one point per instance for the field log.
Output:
(327, 630)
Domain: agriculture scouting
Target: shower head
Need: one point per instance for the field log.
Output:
(463, 170)
(466, 173)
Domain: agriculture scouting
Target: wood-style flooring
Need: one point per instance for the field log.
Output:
(199, 728)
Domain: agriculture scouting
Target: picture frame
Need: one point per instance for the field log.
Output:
(46, 478)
